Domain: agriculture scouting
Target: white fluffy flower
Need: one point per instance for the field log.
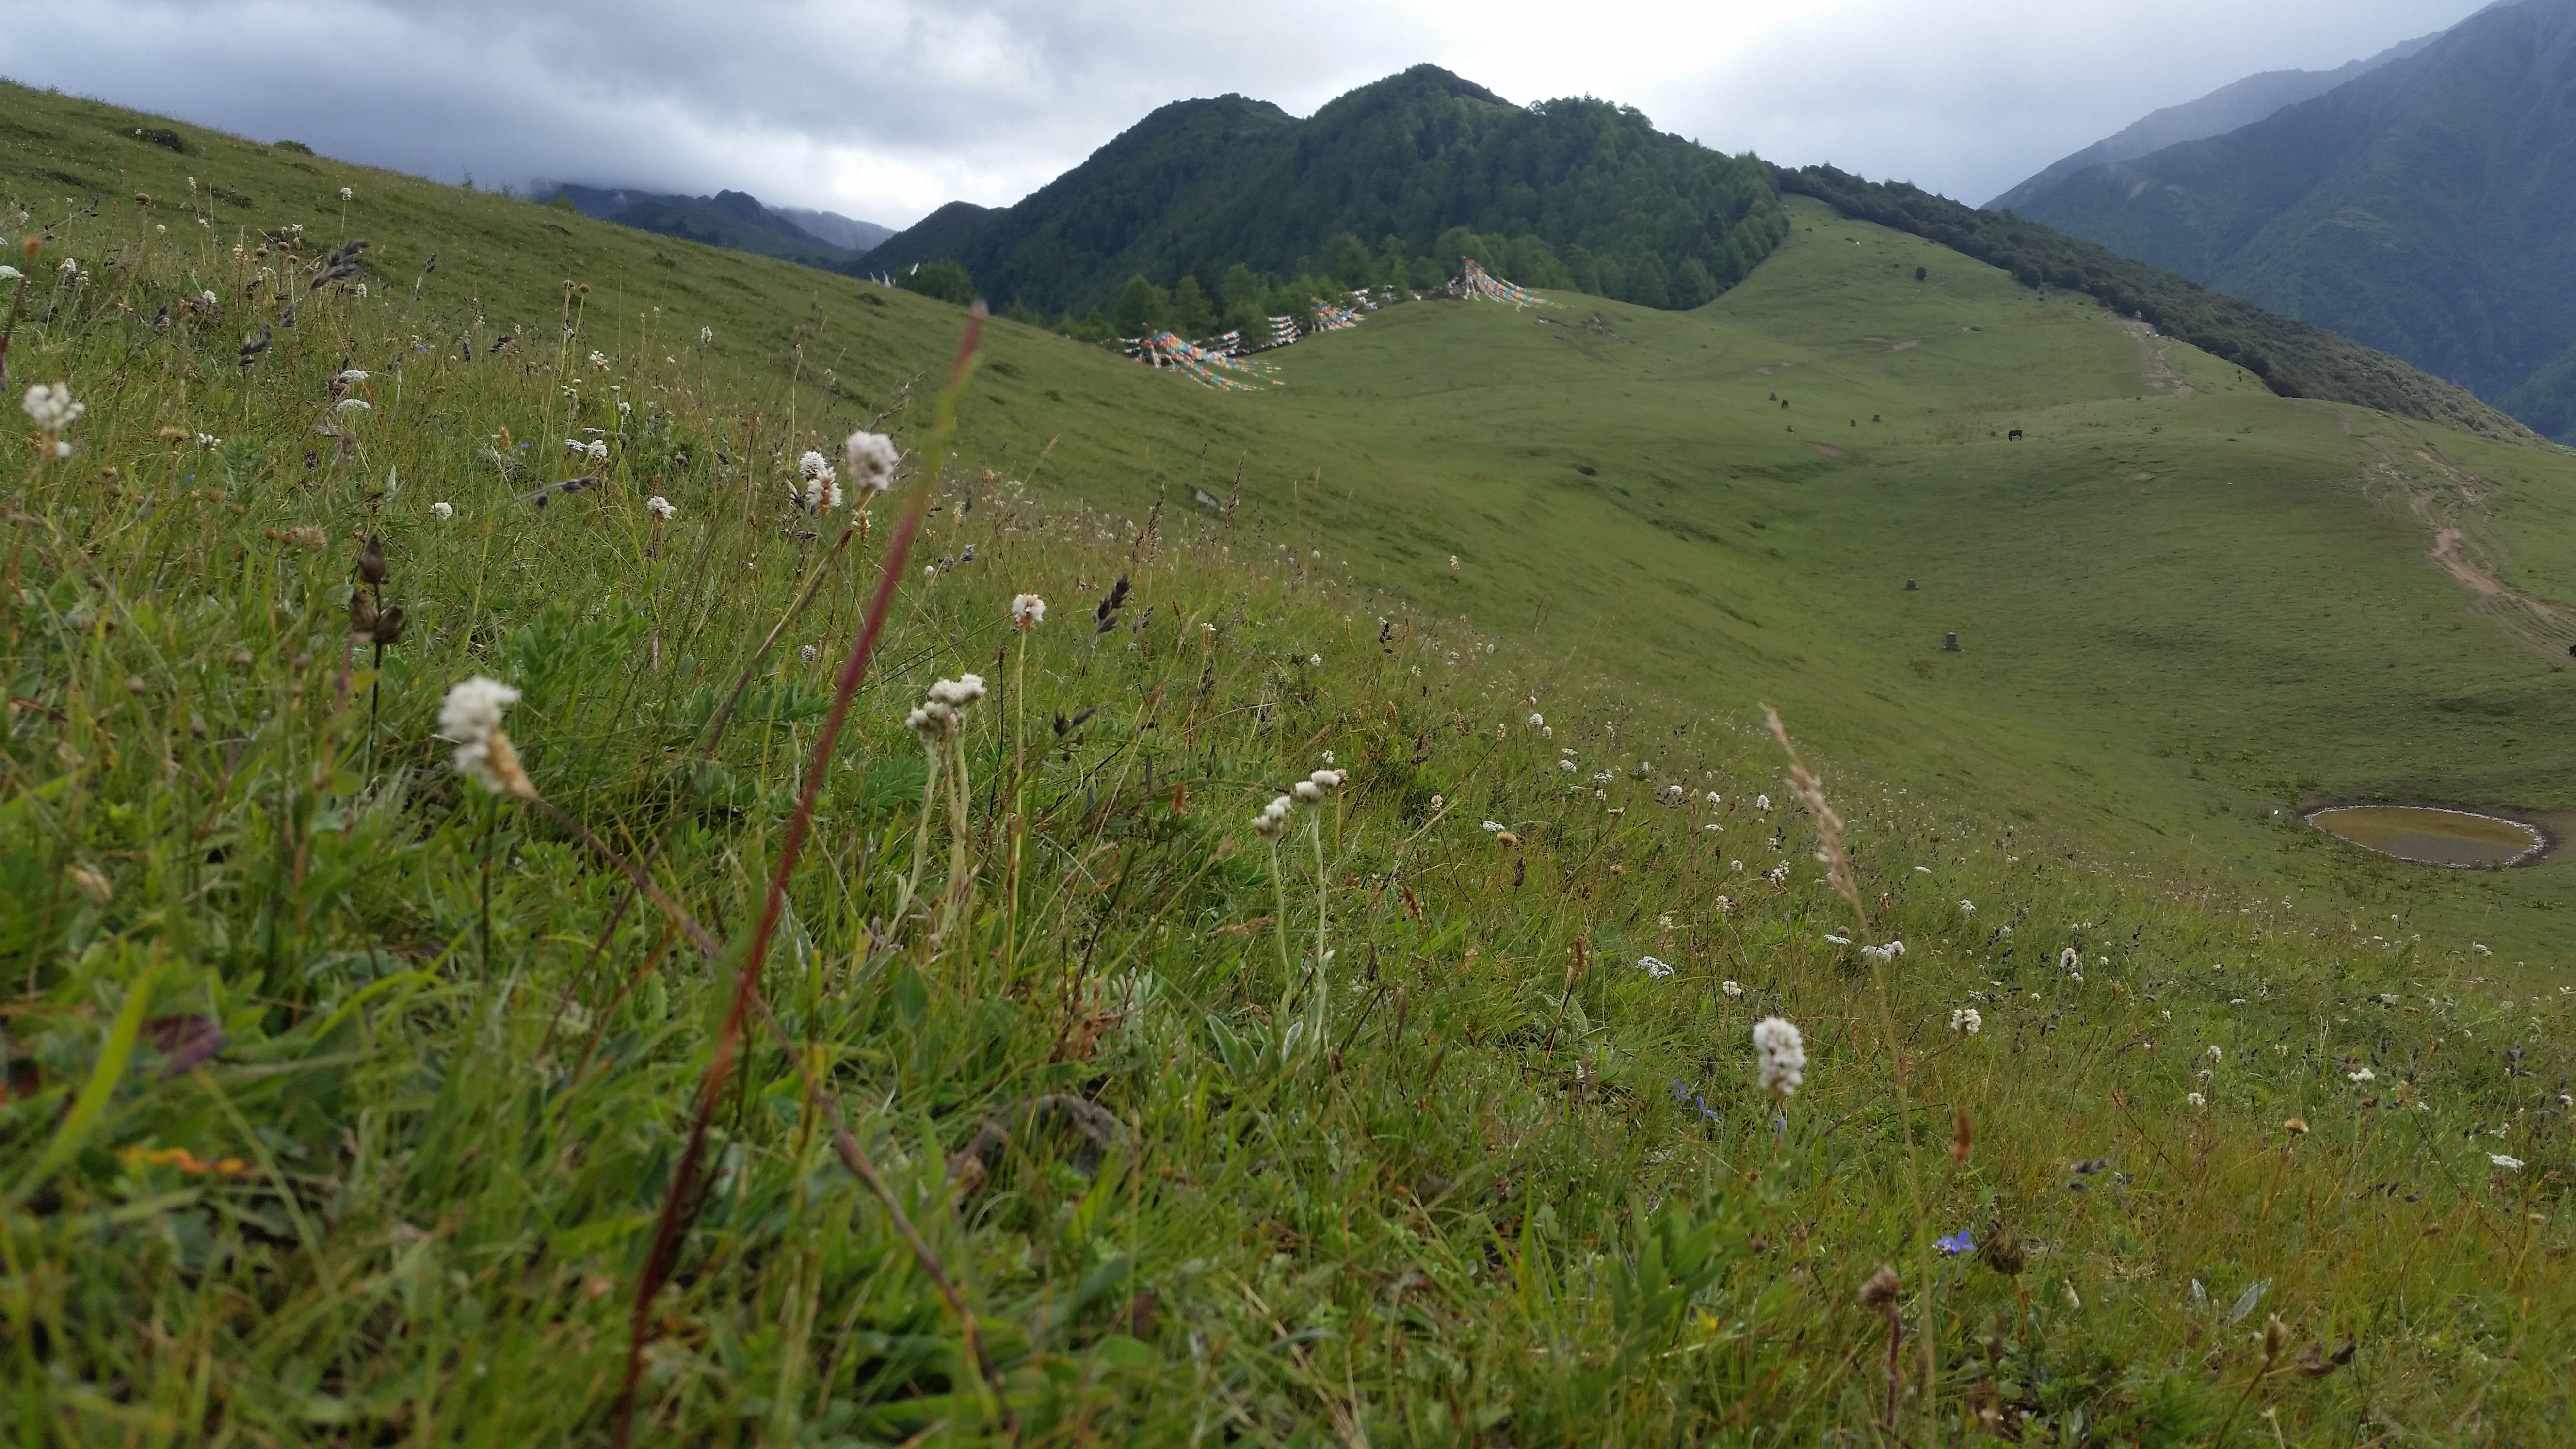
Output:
(660, 507)
(706, 335)
(1273, 819)
(2363, 1074)
(1966, 1021)
(442, 510)
(471, 720)
(11, 274)
(1729, 987)
(817, 487)
(871, 459)
(1654, 968)
(352, 375)
(1783, 1054)
(2509, 1164)
(52, 407)
(1884, 954)
(1314, 661)
(1762, 803)
(1027, 610)
(598, 450)
(960, 692)
(598, 360)
(1967, 908)
(353, 405)
(1307, 791)
(2195, 1099)
(1328, 779)
(1568, 766)
(1538, 722)
(346, 194)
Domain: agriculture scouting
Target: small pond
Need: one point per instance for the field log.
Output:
(2429, 835)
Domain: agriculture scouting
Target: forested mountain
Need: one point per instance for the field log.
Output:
(731, 219)
(2427, 208)
(1383, 184)
(2238, 103)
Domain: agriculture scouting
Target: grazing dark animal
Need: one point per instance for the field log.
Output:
(2013, 437)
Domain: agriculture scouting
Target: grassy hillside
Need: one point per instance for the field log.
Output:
(347, 1101)
(2182, 613)
(2297, 358)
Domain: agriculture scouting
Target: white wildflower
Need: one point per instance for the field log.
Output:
(353, 405)
(1492, 827)
(1966, 1021)
(352, 375)
(1538, 722)
(706, 335)
(1273, 819)
(2363, 1074)
(52, 407)
(1654, 968)
(2509, 1164)
(660, 507)
(470, 719)
(808, 653)
(598, 361)
(1314, 661)
(1307, 791)
(1729, 987)
(2195, 1099)
(1967, 908)
(442, 510)
(871, 458)
(1783, 1054)
(1027, 611)
(597, 450)
(1884, 954)
(11, 274)
(346, 194)
(1568, 766)
(1762, 803)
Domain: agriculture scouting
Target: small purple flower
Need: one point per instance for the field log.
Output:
(1955, 1244)
(1683, 1093)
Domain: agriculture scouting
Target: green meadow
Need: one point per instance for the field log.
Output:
(1038, 1094)
(2183, 616)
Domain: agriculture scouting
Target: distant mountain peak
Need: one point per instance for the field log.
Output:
(2426, 207)
(2237, 104)
(732, 219)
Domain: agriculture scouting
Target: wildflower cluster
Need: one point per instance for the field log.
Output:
(1272, 822)
(943, 713)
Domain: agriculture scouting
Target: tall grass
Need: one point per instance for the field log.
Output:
(347, 1103)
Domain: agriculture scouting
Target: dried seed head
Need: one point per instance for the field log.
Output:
(362, 615)
(389, 626)
(1963, 1136)
(371, 561)
(2002, 1252)
(1879, 1293)
(2274, 1333)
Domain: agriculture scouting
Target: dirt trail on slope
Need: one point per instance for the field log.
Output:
(2155, 358)
(2451, 502)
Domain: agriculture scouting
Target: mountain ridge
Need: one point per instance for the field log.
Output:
(2427, 209)
(1616, 207)
(2237, 104)
(733, 219)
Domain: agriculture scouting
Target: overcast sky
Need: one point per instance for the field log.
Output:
(883, 109)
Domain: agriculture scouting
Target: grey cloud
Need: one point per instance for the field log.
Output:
(886, 108)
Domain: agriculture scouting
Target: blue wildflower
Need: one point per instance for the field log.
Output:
(1955, 1244)
(1683, 1093)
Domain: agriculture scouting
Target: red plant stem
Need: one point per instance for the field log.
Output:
(666, 1234)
